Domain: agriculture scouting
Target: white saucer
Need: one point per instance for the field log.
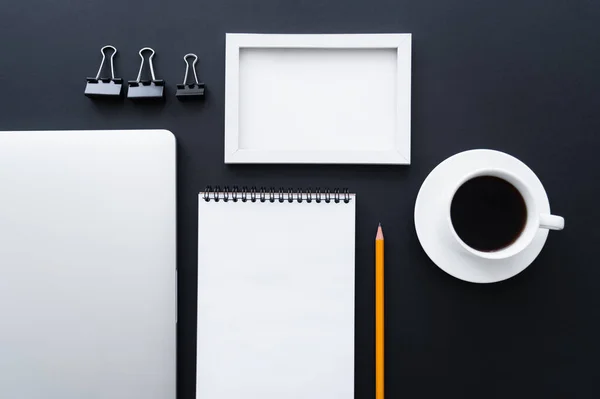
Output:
(433, 229)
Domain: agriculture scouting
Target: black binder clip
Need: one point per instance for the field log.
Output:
(105, 87)
(191, 91)
(146, 89)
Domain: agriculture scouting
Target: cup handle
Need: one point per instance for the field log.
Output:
(552, 222)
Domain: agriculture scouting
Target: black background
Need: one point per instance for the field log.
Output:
(518, 76)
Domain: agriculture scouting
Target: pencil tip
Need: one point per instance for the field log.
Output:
(379, 224)
(379, 233)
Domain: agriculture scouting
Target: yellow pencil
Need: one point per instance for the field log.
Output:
(379, 316)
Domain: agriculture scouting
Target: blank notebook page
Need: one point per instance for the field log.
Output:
(275, 300)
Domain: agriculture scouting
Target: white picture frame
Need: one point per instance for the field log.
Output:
(318, 98)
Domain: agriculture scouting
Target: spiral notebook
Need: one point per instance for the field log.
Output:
(275, 294)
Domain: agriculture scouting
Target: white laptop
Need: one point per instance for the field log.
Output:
(87, 265)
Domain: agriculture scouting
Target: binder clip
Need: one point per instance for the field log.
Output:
(194, 90)
(146, 89)
(104, 87)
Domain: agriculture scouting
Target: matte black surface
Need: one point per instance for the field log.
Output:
(517, 76)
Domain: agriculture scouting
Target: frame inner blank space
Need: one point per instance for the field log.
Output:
(304, 99)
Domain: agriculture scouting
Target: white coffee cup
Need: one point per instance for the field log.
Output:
(535, 219)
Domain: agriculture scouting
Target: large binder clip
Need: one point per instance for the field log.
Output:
(146, 89)
(105, 87)
(193, 90)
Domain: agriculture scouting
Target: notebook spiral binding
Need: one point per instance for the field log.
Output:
(264, 194)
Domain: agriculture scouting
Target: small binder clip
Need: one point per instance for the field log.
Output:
(193, 90)
(146, 89)
(104, 87)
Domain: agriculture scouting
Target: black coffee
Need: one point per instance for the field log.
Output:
(488, 213)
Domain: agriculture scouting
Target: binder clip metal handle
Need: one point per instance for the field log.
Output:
(112, 64)
(194, 90)
(146, 89)
(187, 67)
(141, 53)
(105, 87)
